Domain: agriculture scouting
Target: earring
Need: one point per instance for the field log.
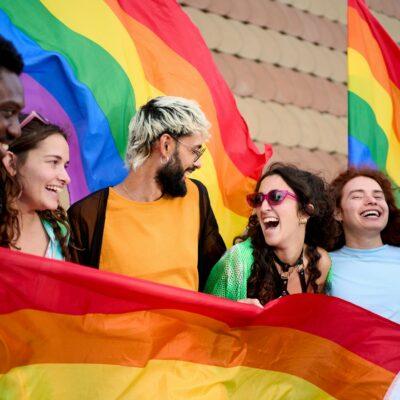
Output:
(302, 221)
(164, 160)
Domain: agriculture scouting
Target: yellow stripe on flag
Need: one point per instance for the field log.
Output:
(158, 380)
(363, 83)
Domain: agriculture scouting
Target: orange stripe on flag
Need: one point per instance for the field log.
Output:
(132, 339)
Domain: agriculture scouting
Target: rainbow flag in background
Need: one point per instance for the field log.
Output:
(373, 93)
(70, 332)
(90, 64)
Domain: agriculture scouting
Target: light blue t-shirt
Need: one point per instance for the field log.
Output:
(54, 250)
(369, 278)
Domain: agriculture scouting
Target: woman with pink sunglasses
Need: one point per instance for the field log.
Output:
(33, 173)
(282, 252)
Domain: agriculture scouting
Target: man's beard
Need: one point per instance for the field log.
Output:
(171, 177)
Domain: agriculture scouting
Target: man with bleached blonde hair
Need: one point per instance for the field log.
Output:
(157, 224)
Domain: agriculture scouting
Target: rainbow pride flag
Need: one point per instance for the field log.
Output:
(89, 66)
(70, 332)
(373, 93)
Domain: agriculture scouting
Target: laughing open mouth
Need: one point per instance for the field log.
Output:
(271, 222)
(53, 188)
(371, 213)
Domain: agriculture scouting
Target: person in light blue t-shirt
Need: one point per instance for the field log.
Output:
(366, 260)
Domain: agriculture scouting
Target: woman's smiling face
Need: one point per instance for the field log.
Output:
(279, 223)
(43, 174)
(363, 207)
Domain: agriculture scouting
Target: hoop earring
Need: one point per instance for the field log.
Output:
(302, 221)
(164, 160)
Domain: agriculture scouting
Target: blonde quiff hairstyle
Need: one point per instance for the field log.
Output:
(164, 114)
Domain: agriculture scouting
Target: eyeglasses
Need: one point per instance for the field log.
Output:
(197, 152)
(32, 115)
(274, 197)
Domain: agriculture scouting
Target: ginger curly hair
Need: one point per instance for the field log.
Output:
(391, 233)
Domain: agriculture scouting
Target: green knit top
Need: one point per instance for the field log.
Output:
(229, 276)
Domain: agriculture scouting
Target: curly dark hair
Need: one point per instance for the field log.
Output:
(10, 59)
(31, 135)
(391, 233)
(264, 282)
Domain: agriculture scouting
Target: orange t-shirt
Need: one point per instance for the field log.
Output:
(156, 241)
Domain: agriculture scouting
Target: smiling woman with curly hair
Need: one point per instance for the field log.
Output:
(282, 252)
(366, 262)
(33, 173)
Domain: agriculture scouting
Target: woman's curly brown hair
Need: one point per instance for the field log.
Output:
(391, 232)
(264, 282)
(32, 134)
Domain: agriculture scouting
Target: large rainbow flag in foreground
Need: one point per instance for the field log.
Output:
(70, 332)
(89, 66)
(373, 93)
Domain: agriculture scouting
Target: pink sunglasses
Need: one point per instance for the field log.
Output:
(32, 115)
(274, 197)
